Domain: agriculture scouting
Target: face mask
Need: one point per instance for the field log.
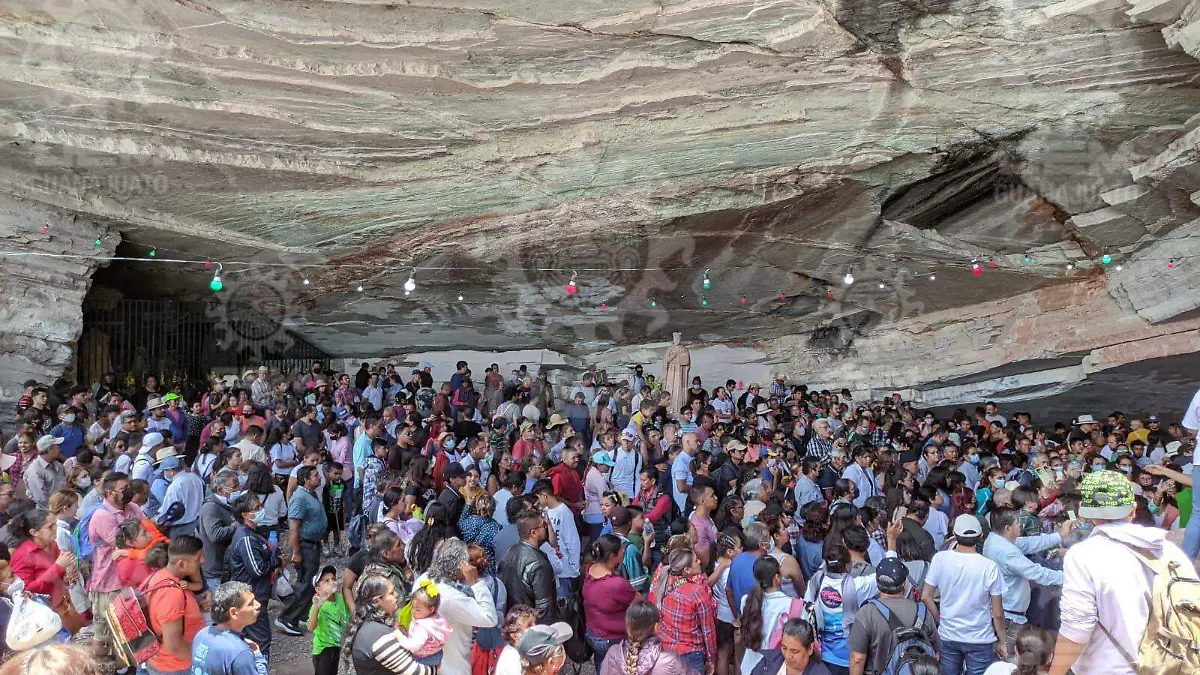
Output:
(998, 483)
(1153, 508)
(1127, 469)
(974, 459)
(1097, 467)
(450, 445)
(235, 494)
(84, 481)
(69, 419)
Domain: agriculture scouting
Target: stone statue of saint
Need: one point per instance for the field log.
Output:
(676, 364)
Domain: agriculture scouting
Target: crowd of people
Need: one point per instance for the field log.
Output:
(513, 529)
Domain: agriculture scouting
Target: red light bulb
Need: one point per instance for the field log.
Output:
(991, 263)
(782, 297)
(572, 289)
(1170, 265)
(207, 264)
(829, 294)
(743, 299)
(603, 306)
(45, 229)
(977, 271)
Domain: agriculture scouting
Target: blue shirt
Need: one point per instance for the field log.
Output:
(306, 508)
(741, 576)
(187, 488)
(362, 450)
(681, 470)
(72, 435)
(216, 651)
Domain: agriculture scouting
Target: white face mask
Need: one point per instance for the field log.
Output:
(69, 418)
(84, 481)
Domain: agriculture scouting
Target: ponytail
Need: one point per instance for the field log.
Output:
(1034, 650)
(766, 569)
(604, 547)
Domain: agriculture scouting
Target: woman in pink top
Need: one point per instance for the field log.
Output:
(340, 447)
(595, 484)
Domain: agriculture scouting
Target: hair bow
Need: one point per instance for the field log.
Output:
(429, 587)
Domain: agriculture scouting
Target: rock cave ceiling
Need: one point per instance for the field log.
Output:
(778, 143)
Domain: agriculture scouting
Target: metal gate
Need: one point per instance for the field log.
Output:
(181, 343)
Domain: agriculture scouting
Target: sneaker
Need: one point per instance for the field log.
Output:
(288, 628)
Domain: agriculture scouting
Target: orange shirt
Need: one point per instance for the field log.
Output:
(172, 603)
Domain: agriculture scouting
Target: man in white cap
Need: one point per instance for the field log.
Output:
(143, 464)
(543, 646)
(1107, 580)
(971, 615)
(45, 475)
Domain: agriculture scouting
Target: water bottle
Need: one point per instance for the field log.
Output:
(273, 539)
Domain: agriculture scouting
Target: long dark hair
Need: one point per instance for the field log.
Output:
(766, 569)
(605, 547)
(258, 479)
(723, 518)
(842, 517)
(1034, 649)
(816, 522)
(437, 528)
(21, 523)
(370, 589)
(676, 565)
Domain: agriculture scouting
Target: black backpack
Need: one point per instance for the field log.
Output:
(911, 641)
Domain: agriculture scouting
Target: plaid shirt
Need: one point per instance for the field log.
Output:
(778, 389)
(685, 607)
(879, 437)
(820, 448)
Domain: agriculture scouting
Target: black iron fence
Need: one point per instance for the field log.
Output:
(183, 342)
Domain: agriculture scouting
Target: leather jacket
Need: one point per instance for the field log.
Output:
(529, 580)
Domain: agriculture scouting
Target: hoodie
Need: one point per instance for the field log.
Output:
(1105, 582)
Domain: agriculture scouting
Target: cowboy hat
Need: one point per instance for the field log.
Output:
(155, 403)
(556, 420)
(166, 453)
(1084, 419)
(763, 409)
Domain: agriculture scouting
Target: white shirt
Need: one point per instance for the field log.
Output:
(563, 522)
(502, 496)
(723, 409)
(967, 581)
(373, 395)
(285, 452)
(1103, 582)
(509, 662)
(1191, 419)
(1001, 668)
(938, 526)
(624, 476)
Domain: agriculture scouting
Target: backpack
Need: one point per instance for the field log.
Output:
(571, 610)
(911, 641)
(914, 593)
(799, 609)
(133, 640)
(1169, 646)
(84, 548)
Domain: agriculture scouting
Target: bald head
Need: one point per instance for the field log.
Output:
(691, 443)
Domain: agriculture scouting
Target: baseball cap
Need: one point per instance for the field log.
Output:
(46, 442)
(967, 525)
(891, 575)
(603, 458)
(455, 470)
(1173, 448)
(1152, 418)
(128, 414)
(539, 642)
(168, 464)
(910, 456)
(1105, 495)
(152, 440)
(628, 435)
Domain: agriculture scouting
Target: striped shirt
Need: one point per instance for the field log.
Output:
(376, 651)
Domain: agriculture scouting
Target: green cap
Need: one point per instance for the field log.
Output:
(1106, 495)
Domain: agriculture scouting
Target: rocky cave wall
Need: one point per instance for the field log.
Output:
(776, 142)
(41, 317)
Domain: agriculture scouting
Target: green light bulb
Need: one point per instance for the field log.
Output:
(98, 242)
(703, 301)
(1106, 259)
(216, 284)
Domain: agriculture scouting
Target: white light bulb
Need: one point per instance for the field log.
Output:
(933, 277)
(306, 282)
(359, 288)
(1070, 266)
(460, 297)
(410, 285)
(881, 286)
(1118, 267)
(848, 279)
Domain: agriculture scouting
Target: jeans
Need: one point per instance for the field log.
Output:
(695, 660)
(594, 528)
(565, 587)
(1191, 535)
(310, 563)
(186, 528)
(966, 657)
(599, 646)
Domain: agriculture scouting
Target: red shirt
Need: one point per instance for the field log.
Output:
(132, 573)
(37, 568)
(687, 606)
(567, 485)
(604, 603)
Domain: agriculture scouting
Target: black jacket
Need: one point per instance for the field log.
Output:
(454, 502)
(251, 562)
(529, 580)
(772, 662)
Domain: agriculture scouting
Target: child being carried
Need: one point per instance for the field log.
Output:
(428, 630)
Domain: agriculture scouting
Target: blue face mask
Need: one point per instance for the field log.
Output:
(450, 444)
(974, 459)
(1098, 467)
